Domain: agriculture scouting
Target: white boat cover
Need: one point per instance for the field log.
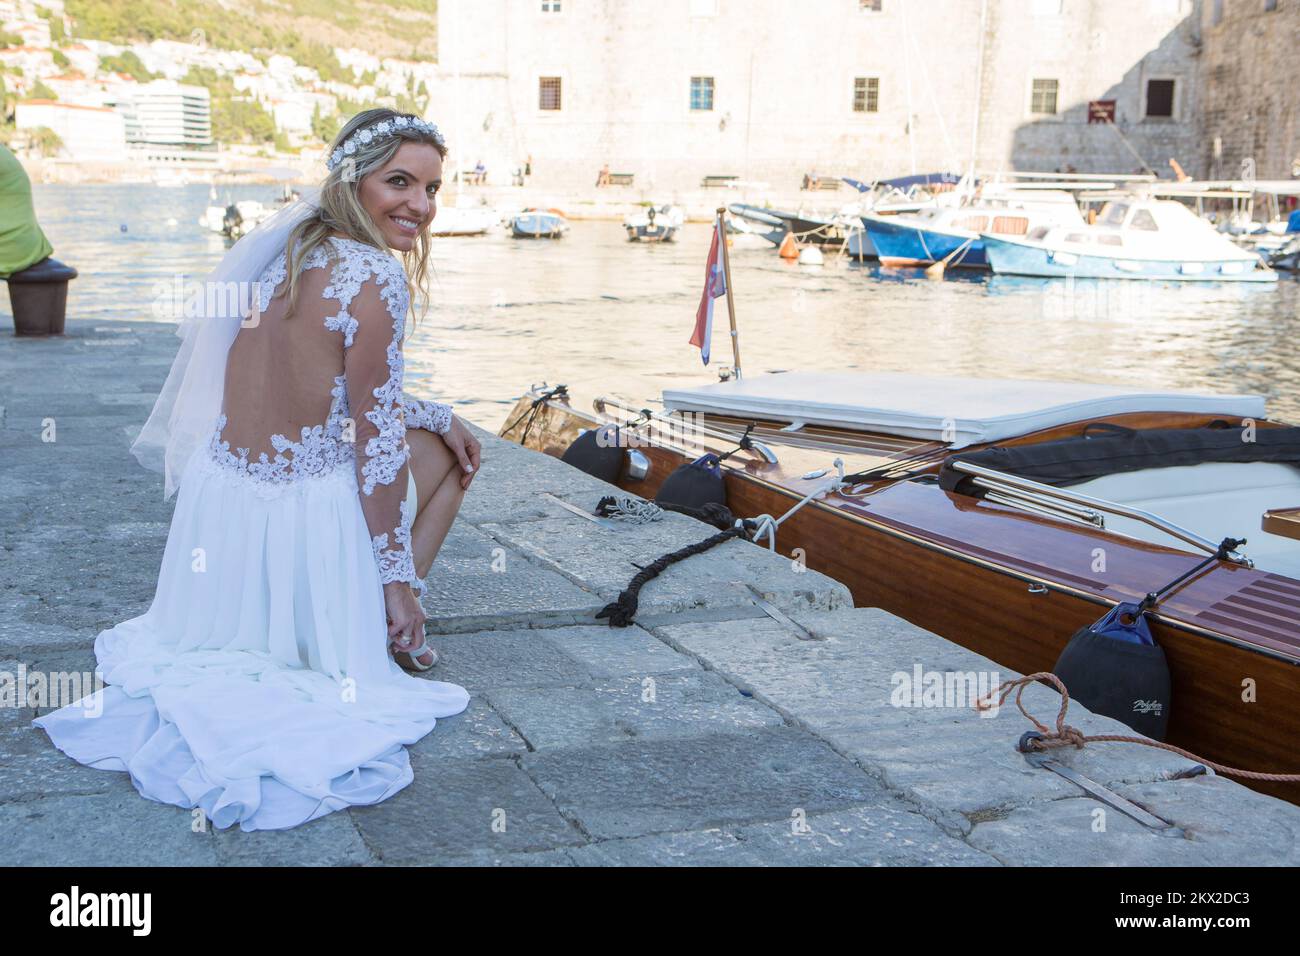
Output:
(963, 411)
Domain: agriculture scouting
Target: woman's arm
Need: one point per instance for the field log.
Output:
(373, 366)
(431, 416)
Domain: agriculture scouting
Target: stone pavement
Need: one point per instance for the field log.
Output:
(708, 733)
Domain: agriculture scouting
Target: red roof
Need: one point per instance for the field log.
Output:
(66, 106)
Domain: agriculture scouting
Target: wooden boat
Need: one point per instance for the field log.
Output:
(1007, 566)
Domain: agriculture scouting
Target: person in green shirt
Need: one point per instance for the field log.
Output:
(22, 243)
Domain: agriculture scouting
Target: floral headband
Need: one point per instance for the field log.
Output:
(385, 127)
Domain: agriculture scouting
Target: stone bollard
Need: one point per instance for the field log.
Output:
(39, 295)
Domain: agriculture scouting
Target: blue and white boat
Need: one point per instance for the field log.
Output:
(539, 224)
(1134, 238)
(654, 223)
(930, 235)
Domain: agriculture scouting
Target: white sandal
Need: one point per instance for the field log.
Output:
(415, 653)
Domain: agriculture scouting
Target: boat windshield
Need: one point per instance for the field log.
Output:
(1142, 219)
(1113, 213)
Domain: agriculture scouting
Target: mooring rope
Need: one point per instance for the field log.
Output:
(559, 391)
(1065, 736)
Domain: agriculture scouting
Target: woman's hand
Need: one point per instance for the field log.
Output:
(465, 447)
(405, 616)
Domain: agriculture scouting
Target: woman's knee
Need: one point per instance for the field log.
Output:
(430, 462)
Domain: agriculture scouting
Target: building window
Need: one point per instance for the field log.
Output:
(871, 6)
(548, 93)
(1270, 6)
(550, 6)
(701, 92)
(1160, 99)
(1216, 13)
(1043, 99)
(866, 94)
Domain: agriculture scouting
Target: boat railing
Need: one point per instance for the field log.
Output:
(1029, 495)
(756, 448)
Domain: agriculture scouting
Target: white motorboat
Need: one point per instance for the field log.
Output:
(655, 223)
(1133, 238)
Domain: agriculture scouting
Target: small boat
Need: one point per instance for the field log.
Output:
(168, 177)
(1288, 257)
(807, 227)
(1133, 238)
(1008, 515)
(235, 219)
(463, 221)
(654, 223)
(860, 246)
(539, 224)
(954, 232)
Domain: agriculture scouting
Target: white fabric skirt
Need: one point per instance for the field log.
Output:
(258, 686)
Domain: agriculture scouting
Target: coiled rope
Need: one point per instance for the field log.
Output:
(1066, 736)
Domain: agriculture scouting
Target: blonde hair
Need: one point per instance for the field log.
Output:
(341, 209)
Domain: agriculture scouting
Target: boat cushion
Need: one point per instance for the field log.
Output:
(1114, 450)
(1216, 500)
(961, 411)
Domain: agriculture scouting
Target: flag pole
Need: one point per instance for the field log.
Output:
(726, 273)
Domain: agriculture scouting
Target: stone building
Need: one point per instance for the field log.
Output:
(768, 90)
(1251, 79)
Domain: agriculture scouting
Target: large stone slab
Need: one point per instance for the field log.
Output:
(944, 757)
(101, 829)
(478, 583)
(463, 806)
(605, 559)
(620, 709)
(333, 840)
(1216, 823)
(643, 787)
(879, 835)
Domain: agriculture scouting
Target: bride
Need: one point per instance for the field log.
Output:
(314, 494)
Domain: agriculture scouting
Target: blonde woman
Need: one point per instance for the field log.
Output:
(314, 494)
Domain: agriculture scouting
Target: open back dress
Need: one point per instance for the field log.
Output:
(258, 686)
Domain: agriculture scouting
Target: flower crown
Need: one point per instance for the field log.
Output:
(386, 127)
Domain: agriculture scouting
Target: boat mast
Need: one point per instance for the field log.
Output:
(979, 89)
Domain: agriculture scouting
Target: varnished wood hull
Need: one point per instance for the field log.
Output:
(1236, 694)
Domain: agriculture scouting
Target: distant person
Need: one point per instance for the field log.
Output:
(602, 178)
(480, 173)
(528, 165)
(517, 179)
(22, 243)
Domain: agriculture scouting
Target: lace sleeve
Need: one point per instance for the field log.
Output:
(373, 367)
(431, 416)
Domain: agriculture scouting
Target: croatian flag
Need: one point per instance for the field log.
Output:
(715, 284)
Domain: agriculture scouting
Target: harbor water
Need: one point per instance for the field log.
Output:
(604, 315)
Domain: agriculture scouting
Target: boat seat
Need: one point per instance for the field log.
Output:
(1215, 499)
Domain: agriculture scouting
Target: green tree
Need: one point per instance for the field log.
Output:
(60, 60)
(9, 39)
(55, 21)
(42, 92)
(126, 62)
(44, 140)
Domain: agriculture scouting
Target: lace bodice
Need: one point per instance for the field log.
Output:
(366, 284)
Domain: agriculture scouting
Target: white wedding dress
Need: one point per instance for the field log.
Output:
(258, 686)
